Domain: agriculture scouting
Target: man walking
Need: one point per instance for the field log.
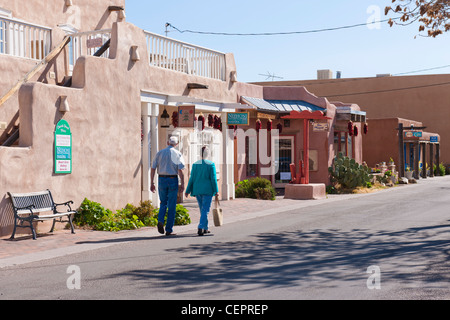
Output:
(169, 163)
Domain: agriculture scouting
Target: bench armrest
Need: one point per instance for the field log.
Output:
(67, 204)
(30, 207)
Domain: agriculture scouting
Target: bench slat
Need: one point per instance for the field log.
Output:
(54, 216)
(26, 211)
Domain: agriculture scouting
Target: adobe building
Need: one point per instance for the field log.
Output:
(422, 98)
(327, 137)
(111, 83)
(418, 147)
(122, 92)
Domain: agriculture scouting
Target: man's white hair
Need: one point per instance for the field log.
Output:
(173, 140)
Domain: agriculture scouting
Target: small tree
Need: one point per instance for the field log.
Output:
(433, 15)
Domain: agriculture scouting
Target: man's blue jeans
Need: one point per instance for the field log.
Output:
(204, 203)
(168, 192)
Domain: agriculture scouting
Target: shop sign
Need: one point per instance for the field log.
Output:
(238, 119)
(267, 116)
(186, 116)
(434, 139)
(411, 134)
(63, 148)
(320, 127)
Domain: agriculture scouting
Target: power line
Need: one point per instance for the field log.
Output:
(276, 33)
(387, 90)
(343, 80)
(423, 70)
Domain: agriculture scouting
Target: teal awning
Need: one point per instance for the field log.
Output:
(285, 106)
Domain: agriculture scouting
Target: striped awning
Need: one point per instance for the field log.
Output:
(285, 106)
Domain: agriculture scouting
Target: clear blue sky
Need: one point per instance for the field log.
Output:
(357, 52)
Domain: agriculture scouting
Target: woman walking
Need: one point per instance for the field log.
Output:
(203, 185)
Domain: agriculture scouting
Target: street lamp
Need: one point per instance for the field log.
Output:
(165, 119)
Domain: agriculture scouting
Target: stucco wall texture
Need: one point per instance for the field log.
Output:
(50, 14)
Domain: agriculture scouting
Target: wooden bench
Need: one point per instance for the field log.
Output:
(29, 206)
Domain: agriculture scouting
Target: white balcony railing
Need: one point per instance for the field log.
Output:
(87, 44)
(21, 39)
(183, 57)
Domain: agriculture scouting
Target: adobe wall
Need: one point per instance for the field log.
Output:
(105, 118)
(49, 13)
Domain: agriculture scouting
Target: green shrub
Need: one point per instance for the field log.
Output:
(99, 218)
(242, 188)
(91, 213)
(145, 213)
(256, 188)
(439, 171)
(264, 193)
(182, 217)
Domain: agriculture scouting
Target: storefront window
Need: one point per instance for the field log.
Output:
(343, 143)
(285, 145)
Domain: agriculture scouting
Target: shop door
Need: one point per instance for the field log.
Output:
(285, 147)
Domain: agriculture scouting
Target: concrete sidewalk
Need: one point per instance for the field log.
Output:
(24, 250)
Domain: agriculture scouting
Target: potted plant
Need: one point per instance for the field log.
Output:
(408, 173)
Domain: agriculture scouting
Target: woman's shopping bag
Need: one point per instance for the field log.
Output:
(218, 213)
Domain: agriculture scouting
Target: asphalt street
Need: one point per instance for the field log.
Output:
(387, 245)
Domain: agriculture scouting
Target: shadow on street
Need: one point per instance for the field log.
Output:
(313, 258)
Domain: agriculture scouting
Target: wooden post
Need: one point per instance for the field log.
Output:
(438, 155)
(306, 150)
(424, 161)
(401, 151)
(300, 174)
(432, 160)
(416, 160)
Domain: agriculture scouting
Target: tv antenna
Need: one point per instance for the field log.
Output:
(167, 25)
(270, 76)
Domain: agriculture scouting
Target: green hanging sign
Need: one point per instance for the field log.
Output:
(63, 148)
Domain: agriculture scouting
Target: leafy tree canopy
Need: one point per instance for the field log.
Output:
(432, 15)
